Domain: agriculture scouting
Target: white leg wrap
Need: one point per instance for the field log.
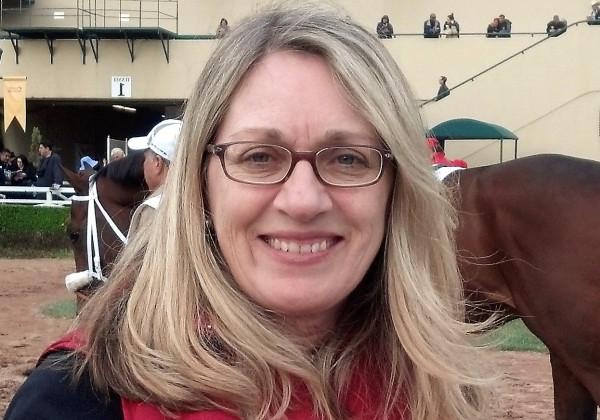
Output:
(76, 281)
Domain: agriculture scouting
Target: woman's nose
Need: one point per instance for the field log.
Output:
(302, 196)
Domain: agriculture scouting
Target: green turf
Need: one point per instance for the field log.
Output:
(515, 336)
(61, 309)
(11, 252)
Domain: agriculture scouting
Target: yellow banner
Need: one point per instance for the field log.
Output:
(15, 89)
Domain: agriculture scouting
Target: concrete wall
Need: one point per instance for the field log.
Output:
(549, 96)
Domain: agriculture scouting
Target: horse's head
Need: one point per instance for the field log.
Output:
(77, 223)
(100, 217)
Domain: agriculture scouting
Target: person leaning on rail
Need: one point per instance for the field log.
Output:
(556, 26)
(385, 28)
(301, 264)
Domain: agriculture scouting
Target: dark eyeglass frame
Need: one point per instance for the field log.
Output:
(311, 157)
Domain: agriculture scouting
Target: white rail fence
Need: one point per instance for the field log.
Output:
(37, 196)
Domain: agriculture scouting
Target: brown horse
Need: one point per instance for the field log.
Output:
(528, 246)
(101, 212)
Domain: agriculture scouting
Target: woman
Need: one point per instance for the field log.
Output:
(25, 173)
(301, 263)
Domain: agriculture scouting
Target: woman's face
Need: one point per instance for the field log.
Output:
(331, 234)
(20, 163)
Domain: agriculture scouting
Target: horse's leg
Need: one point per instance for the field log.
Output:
(571, 400)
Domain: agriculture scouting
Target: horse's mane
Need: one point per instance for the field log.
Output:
(128, 171)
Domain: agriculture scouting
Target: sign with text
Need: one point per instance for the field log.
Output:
(121, 87)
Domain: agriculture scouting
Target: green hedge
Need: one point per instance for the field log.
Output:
(33, 228)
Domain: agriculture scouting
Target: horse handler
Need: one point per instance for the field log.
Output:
(159, 150)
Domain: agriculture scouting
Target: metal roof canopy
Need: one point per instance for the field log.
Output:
(50, 34)
(470, 129)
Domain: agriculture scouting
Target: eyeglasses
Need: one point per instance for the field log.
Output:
(268, 164)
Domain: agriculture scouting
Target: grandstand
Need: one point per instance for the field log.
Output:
(70, 50)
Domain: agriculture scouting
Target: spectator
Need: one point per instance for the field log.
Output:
(556, 26)
(493, 28)
(4, 159)
(451, 27)
(595, 15)
(12, 161)
(116, 153)
(385, 28)
(25, 173)
(4, 166)
(504, 27)
(49, 173)
(431, 27)
(7, 160)
(443, 91)
(223, 28)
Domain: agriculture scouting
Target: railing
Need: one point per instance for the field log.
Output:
(40, 196)
(480, 34)
(103, 13)
(131, 13)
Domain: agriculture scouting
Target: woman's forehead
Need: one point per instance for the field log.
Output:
(295, 94)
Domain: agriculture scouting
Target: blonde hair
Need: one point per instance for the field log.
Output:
(172, 328)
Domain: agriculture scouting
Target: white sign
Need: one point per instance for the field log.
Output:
(121, 87)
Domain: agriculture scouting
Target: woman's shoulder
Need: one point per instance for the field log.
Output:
(51, 393)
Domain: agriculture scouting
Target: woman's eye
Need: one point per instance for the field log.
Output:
(346, 159)
(350, 159)
(258, 157)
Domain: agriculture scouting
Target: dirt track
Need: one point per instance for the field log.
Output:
(525, 392)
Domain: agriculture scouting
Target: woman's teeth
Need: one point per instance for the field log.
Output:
(299, 248)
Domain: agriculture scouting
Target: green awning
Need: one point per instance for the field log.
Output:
(469, 129)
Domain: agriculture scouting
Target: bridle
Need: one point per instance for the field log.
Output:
(76, 281)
